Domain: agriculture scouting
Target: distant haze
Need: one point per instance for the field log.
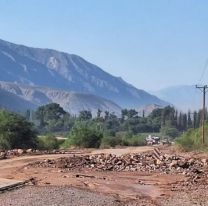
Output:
(183, 97)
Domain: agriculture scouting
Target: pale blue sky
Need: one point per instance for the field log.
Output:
(149, 43)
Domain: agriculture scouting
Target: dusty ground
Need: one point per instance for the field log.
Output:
(122, 151)
(88, 187)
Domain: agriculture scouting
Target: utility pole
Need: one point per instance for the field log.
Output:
(204, 90)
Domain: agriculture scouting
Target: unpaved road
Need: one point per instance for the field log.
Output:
(122, 151)
(55, 187)
(9, 166)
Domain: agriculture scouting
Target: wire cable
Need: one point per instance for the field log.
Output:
(203, 71)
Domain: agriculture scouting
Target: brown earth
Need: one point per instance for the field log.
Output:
(126, 187)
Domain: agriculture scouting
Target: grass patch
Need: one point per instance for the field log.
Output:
(192, 140)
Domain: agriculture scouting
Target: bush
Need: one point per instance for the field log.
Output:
(48, 142)
(110, 141)
(171, 132)
(134, 140)
(15, 131)
(84, 135)
(192, 140)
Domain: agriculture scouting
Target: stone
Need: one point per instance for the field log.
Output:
(20, 151)
(29, 151)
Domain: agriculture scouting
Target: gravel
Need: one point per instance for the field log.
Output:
(67, 196)
(62, 196)
(191, 198)
(54, 196)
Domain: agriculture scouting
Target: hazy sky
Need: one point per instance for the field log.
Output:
(149, 43)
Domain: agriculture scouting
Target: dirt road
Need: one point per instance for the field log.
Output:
(127, 188)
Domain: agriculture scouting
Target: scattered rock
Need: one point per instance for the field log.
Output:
(145, 162)
(29, 151)
(20, 151)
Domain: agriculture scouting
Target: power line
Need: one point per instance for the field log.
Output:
(203, 71)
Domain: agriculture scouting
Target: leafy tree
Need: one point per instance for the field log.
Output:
(85, 115)
(189, 120)
(52, 117)
(168, 116)
(107, 113)
(111, 124)
(99, 112)
(171, 132)
(185, 122)
(127, 114)
(85, 135)
(195, 120)
(15, 131)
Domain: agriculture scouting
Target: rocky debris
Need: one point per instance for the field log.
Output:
(5, 154)
(20, 151)
(2, 155)
(194, 170)
(145, 162)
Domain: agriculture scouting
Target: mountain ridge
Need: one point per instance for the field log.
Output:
(72, 102)
(184, 97)
(48, 67)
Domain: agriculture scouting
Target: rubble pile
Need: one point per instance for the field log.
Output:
(5, 154)
(144, 162)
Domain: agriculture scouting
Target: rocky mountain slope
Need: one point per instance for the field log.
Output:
(46, 67)
(13, 102)
(21, 97)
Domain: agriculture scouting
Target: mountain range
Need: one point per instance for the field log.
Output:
(68, 74)
(17, 97)
(183, 97)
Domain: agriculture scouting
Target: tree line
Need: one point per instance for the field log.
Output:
(86, 130)
(53, 118)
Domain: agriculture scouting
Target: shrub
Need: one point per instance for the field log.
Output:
(134, 140)
(171, 132)
(192, 140)
(48, 142)
(84, 135)
(110, 141)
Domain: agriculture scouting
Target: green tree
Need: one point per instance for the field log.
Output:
(85, 115)
(99, 112)
(171, 132)
(51, 117)
(167, 116)
(189, 120)
(15, 131)
(184, 122)
(195, 120)
(86, 135)
(127, 114)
